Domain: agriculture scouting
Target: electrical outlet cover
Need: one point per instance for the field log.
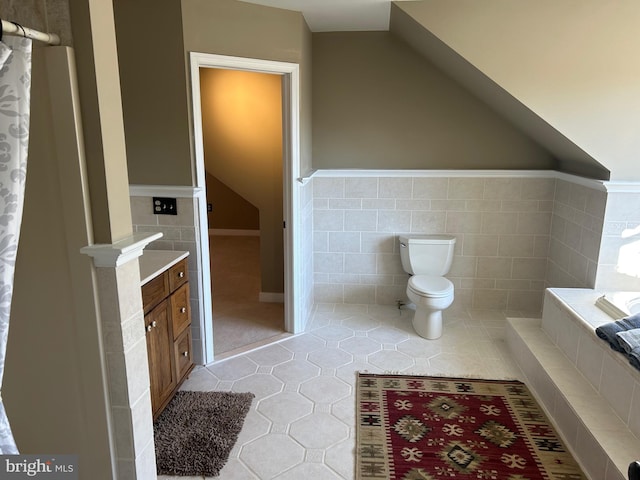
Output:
(165, 206)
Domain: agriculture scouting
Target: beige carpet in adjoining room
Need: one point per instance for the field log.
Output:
(239, 318)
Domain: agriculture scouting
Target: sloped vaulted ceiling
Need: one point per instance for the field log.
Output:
(565, 71)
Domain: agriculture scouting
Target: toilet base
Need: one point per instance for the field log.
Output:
(428, 323)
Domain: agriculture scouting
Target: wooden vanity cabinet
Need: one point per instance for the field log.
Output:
(167, 323)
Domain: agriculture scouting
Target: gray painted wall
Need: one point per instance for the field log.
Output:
(379, 104)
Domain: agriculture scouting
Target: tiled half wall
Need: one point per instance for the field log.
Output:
(502, 225)
(517, 234)
(576, 233)
(179, 232)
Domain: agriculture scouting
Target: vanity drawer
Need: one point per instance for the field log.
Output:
(178, 274)
(154, 291)
(184, 358)
(180, 311)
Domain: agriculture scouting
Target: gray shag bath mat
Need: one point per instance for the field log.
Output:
(196, 432)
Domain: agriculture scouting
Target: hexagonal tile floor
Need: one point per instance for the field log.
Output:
(301, 424)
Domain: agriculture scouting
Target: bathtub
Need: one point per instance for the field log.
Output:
(588, 389)
(619, 304)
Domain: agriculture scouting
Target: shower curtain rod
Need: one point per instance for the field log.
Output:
(11, 28)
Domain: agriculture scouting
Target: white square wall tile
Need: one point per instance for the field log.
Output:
(364, 263)
(142, 211)
(578, 267)
(320, 241)
(538, 223)
(590, 454)
(343, 278)
(502, 223)
(377, 242)
(361, 187)
(463, 222)
(545, 389)
(328, 187)
(320, 203)
(328, 293)
(405, 204)
(344, 242)
(503, 188)
(590, 358)
(389, 265)
(328, 220)
(378, 204)
(566, 419)
(526, 301)
(360, 220)
(578, 196)
(617, 386)
(494, 267)
(445, 205)
(428, 222)
(345, 204)
(479, 245)
(529, 268)
(522, 206)
(466, 188)
(328, 262)
(568, 336)
(551, 318)
(590, 244)
(538, 188)
(394, 221)
(517, 246)
(395, 187)
(430, 187)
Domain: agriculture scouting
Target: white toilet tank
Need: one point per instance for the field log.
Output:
(427, 254)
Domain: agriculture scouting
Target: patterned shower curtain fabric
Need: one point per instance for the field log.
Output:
(15, 91)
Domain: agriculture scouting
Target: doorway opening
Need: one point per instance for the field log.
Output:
(242, 135)
(251, 196)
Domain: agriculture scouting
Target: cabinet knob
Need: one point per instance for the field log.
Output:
(183, 310)
(180, 274)
(149, 328)
(185, 354)
(154, 324)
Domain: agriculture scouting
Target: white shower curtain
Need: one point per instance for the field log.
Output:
(15, 91)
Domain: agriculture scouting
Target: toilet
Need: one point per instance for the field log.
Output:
(427, 258)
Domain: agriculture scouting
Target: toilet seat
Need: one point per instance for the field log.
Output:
(428, 286)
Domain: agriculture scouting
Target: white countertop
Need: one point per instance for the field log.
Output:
(154, 262)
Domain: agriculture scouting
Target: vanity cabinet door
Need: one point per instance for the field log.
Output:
(162, 372)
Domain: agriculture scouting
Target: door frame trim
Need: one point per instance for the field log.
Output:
(291, 171)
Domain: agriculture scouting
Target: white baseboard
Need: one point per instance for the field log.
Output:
(271, 297)
(234, 233)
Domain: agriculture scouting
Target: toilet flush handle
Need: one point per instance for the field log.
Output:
(403, 245)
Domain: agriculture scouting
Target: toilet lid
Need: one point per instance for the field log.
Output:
(428, 286)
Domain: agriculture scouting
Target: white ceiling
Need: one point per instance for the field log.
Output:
(337, 15)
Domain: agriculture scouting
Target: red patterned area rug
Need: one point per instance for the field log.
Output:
(428, 428)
